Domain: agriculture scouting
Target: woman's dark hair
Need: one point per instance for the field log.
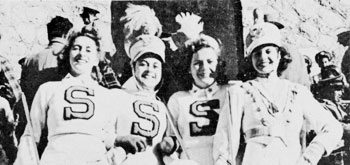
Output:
(247, 71)
(63, 59)
(186, 79)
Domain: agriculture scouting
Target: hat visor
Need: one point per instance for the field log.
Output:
(165, 35)
(332, 79)
(149, 54)
(262, 45)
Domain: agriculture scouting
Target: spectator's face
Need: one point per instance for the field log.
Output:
(148, 72)
(332, 94)
(203, 67)
(266, 59)
(83, 56)
(324, 62)
(338, 95)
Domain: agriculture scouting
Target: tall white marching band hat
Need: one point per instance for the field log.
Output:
(261, 34)
(147, 44)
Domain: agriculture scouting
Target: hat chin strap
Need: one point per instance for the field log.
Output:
(263, 75)
(266, 75)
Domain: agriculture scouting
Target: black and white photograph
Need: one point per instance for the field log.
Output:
(174, 82)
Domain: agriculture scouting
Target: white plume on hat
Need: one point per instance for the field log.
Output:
(139, 20)
(147, 44)
(261, 34)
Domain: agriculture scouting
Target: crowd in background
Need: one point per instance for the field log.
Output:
(69, 108)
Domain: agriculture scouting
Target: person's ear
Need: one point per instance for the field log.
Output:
(133, 68)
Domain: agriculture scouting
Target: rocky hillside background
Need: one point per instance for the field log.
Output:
(23, 23)
(310, 25)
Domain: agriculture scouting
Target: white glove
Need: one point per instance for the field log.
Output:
(168, 145)
(116, 155)
(312, 154)
(190, 24)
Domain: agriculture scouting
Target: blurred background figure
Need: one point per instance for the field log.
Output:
(41, 67)
(331, 88)
(308, 63)
(8, 143)
(323, 59)
(9, 87)
(10, 94)
(90, 17)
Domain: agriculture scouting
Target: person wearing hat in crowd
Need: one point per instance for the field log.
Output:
(332, 87)
(271, 112)
(90, 17)
(323, 59)
(141, 122)
(196, 110)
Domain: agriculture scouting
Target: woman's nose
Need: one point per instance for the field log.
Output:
(82, 53)
(150, 68)
(204, 66)
(263, 55)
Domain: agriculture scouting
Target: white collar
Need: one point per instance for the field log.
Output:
(133, 87)
(208, 92)
(80, 79)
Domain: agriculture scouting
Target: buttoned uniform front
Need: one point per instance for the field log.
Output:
(143, 115)
(79, 115)
(272, 134)
(195, 114)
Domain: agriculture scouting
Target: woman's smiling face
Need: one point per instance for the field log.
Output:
(266, 59)
(148, 72)
(203, 67)
(83, 56)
